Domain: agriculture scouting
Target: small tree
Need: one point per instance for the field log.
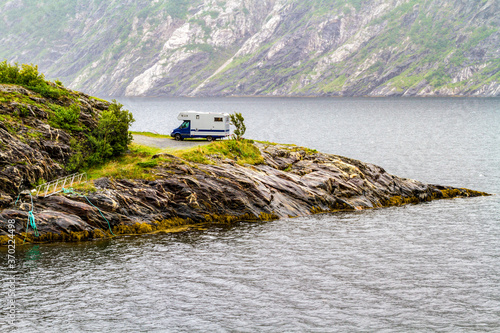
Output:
(237, 121)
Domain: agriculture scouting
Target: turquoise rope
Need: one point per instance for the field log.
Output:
(15, 203)
(100, 212)
(31, 221)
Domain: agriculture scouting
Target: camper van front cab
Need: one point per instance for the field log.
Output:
(209, 125)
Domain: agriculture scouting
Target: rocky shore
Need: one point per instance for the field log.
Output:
(292, 181)
(43, 138)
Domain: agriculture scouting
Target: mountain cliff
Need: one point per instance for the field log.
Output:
(259, 47)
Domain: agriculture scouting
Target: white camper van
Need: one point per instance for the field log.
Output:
(209, 125)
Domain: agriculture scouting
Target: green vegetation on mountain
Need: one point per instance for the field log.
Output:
(264, 47)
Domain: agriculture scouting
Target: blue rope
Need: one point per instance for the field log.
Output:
(100, 212)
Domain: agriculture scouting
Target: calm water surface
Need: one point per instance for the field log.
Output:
(418, 268)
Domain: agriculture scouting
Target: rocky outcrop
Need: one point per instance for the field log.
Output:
(171, 191)
(261, 47)
(292, 181)
(31, 149)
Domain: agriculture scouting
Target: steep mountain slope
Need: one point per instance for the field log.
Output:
(259, 47)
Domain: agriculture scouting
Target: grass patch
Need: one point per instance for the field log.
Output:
(132, 165)
(98, 99)
(195, 155)
(138, 162)
(269, 143)
(148, 164)
(85, 187)
(240, 151)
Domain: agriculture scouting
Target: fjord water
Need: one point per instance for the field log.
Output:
(418, 268)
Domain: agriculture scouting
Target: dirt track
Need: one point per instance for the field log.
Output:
(167, 143)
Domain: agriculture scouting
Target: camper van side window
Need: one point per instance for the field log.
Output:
(218, 119)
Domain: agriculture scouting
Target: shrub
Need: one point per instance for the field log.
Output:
(29, 77)
(237, 121)
(111, 137)
(65, 117)
(77, 159)
(8, 73)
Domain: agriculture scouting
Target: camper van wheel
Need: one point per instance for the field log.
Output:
(178, 137)
(209, 138)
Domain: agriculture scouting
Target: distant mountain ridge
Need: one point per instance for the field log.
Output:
(259, 47)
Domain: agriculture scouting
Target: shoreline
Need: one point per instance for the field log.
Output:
(291, 182)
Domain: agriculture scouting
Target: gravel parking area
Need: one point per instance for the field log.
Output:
(167, 143)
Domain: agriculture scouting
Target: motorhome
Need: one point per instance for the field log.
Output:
(209, 125)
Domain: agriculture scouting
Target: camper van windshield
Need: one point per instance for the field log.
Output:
(185, 124)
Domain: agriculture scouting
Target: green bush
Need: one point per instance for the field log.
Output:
(108, 140)
(237, 121)
(111, 137)
(49, 92)
(29, 77)
(77, 159)
(8, 73)
(65, 117)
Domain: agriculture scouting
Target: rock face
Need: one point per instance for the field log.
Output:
(260, 47)
(291, 182)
